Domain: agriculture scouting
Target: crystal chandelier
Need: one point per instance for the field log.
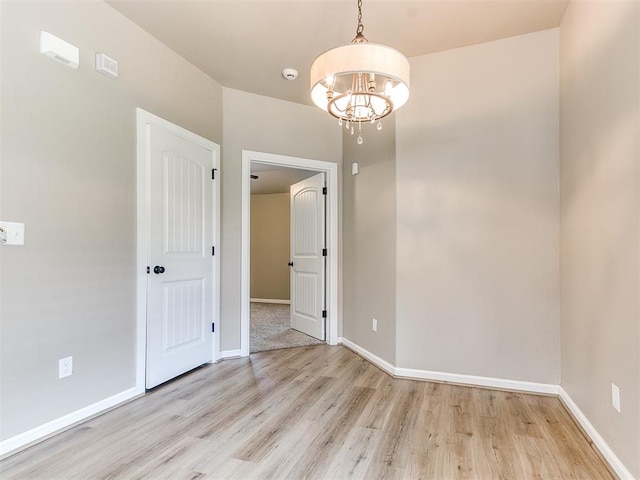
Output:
(360, 82)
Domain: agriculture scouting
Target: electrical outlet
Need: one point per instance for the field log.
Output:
(374, 325)
(615, 397)
(65, 367)
(11, 233)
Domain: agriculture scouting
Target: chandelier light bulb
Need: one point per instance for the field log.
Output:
(388, 87)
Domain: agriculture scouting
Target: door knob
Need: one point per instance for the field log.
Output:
(290, 264)
(158, 269)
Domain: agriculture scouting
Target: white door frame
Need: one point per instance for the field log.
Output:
(331, 170)
(144, 120)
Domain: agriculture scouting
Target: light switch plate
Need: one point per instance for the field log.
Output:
(11, 233)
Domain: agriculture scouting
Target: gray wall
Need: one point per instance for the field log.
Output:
(270, 244)
(600, 217)
(254, 122)
(69, 172)
(369, 236)
(477, 211)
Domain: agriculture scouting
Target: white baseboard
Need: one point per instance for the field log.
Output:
(477, 381)
(471, 380)
(37, 434)
(270, 300)
(231, 354)
(377, 361)
(499, 383)
(595, 437)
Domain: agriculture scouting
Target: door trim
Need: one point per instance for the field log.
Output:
(144, 120)
(331, 170)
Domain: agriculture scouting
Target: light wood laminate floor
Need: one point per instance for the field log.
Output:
(317, 412)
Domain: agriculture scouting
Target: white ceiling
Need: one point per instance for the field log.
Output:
(245, 44)
(275, 179)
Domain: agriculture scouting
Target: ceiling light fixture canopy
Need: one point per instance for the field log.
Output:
(360, 82)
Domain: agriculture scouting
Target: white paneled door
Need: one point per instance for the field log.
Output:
(307, 264)
(180, 288)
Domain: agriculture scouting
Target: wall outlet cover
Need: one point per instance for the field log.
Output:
(65, 367)
(615, 397)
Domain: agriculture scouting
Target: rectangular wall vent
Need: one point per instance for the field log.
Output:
(106, 65)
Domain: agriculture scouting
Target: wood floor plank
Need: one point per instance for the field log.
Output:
(354, 457)
(180, 460)
(317, 412)
(288, 452)
(332, 435)
(230, 409)
(391, 456)
(376, 414)
(264, 441)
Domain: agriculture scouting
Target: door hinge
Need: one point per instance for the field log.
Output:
(324, 314)
(213, 250)
(324, 252)
(324, 190)
(213, 173)
(148, 269)
(213, 328)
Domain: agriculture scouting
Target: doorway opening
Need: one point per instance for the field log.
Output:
(275, 192)
(256, 292)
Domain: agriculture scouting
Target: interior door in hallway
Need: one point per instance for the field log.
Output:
(308, 259)
(180, 288)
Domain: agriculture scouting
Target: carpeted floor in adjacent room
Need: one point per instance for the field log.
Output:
(270, 329)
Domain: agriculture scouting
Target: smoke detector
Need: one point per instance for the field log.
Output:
(290, 73)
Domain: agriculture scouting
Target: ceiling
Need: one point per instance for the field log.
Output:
(275, 178)
(245, 44)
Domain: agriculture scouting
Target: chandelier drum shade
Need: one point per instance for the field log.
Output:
(376, 75)
(361, 81)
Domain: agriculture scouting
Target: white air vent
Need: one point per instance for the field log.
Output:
(59, 50)
(106, 65)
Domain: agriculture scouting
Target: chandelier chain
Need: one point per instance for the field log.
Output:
(360, 28)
